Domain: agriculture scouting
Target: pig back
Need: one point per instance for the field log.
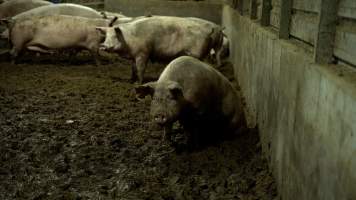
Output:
(58, 31)
(203, 86)
(169, 36)
(14, 7)
(60, 9)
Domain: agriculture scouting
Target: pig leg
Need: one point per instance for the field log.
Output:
(95, 53)
(72, 55)
(141, 62)
(39, 49)
(167, 133)
(14, 53)
(133, 72)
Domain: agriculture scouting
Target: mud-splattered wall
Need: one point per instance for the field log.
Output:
(305, 112)
(206, 10)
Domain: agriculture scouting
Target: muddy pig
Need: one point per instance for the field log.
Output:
(60, 9)
(57, 32)
(14, 7)
(195, 94)
(122, 18)
(57, 9)
(157, 37)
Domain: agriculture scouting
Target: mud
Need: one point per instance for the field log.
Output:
(71, 130)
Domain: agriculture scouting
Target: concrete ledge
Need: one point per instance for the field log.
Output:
(306, 113)
(205, 10)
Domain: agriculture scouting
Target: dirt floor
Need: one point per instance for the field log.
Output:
(71, 130)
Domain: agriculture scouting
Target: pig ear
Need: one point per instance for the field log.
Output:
(118, 31)
(104, 15)
(112, 21)
(7, 21)
(175, 89)
(145, 89)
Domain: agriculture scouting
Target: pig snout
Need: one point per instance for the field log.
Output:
(160, 119)
(103, 47)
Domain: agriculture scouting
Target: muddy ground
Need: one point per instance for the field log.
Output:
(71, 130)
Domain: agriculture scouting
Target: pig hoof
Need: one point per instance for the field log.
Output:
(140, 99)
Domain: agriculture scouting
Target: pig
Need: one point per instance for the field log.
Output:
(220, 40)
(56, 32)
(122, 18)
(14, 7)
(61, 9)
(113, 14)
(157, 37)
(195, 94)
(57, 9)
(223, 52)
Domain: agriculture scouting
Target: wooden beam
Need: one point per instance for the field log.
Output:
(241, 7)
(234, 4)
(285, 17)
(266, 12)
(253, 9)
(324, 45)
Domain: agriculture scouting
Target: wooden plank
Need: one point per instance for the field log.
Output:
(347, 8)
(323, 52)
(275, 14)
(304, 26)
(253, 9)
(266, 12)
(246, 6)
(345, 40)
(169, 8)
(285, 17)
(259, 9)
(240, 7)
(235, 4)
(305, 5)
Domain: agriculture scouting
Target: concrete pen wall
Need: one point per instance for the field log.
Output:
(205, 10)
(306, 113)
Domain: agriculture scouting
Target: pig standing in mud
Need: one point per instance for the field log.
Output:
(61, 9)
(195, 94)
(14, 7)
(56, 9)
(158, 37)
(57, 32)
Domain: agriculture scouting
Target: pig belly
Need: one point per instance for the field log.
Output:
(52, 39)
(174, 45)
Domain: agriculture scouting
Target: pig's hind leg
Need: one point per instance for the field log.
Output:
(141, 63)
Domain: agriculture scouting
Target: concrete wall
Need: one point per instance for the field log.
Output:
(306, 113)
(206, 10)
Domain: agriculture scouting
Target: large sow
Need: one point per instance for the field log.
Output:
(57, 9)
(195, 94)
(14, 7)
(61, 9)
(159, 37)
(57, 32)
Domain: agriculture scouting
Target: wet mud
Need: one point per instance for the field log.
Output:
(71, 130)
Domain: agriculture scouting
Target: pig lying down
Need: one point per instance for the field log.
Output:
(159, 37)
(58, 32)
(195, 94)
